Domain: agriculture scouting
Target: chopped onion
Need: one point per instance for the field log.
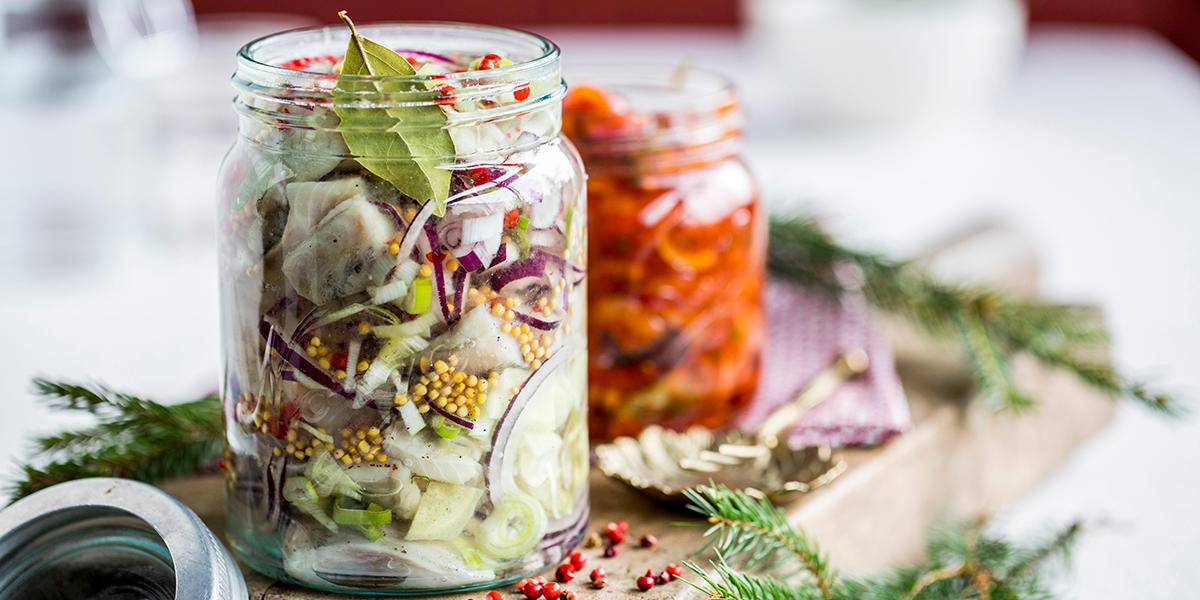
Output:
(521, 272)
(413, 421)
(416, 229)
(430, 55)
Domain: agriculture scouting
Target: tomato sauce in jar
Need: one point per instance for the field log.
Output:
(677, 250)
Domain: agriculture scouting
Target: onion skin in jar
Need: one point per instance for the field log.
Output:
(677, 265)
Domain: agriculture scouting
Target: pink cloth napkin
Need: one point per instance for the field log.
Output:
(806, 330)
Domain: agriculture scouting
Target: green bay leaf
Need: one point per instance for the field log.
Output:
(404, 145)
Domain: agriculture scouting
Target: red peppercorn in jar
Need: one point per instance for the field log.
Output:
(677, 249)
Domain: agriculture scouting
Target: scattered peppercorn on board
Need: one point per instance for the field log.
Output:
(960, 458)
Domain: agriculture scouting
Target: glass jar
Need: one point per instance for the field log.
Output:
(677, 252)
(402, 292)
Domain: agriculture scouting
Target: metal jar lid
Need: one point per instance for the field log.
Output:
(111, 539)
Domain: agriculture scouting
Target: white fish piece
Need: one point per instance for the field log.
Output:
(310, 201)
(340, 256)
(425, 457)
(479, 343)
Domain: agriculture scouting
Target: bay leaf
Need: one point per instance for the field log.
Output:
(404, 145)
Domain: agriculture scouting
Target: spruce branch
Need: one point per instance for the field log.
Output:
(756, 534)
(134, 438)
(989, 324)
(962, 561)
(729, 584)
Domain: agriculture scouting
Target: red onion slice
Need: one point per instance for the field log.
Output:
(503, 445)
(538, 322)
(276, 342)
(449, 416)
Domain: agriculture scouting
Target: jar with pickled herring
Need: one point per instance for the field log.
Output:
(402, 256)
(677, 249)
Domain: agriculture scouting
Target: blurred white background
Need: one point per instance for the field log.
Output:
(1086, 139)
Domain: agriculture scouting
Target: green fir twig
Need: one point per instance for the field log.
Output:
(988, 324)
(134, 438)
(756, 534)
(961, 561)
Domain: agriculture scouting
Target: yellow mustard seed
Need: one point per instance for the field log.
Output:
(529, 357)
(299, 455)
(278, 452)
(315, 341)
(472, 380)
(443, 401)
(426, 270)
(509, 315)
(469, 393)
(363, 365)
(459, 377)
(360, 434)
(451, 407)
(308, 451)
(363, 328)
(451, 263)
(506, 327)
(357, 460)
(363, 446)
(535, 363)
(373, 432)
(381, 458)
(440, 367)
(394, 248)
(324, 362)
(459, 387)
(370, 457)
(338, 454)
(550, 305)
(401, 399)
(510, 302)
(311, 352)
(340, 374)
(445, 377)
(474, 412)
(540, 352)
(290, 448)
(453, 360)
(347, 460)
(424, 408)
(462, 411)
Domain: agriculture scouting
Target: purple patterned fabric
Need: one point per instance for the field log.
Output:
(806, 330)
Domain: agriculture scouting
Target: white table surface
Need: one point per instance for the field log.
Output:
(107, 266)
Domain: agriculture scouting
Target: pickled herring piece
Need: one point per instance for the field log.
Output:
(339, 258)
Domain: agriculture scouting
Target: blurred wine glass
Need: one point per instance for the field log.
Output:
(142, 39)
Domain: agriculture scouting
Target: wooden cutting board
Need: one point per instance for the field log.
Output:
(959, 459)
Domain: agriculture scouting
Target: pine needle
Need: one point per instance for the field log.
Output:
(990, 325)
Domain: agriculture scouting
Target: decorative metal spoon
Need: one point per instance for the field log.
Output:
(663, 463)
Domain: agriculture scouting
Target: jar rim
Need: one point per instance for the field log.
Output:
(550, 52)
(685, 117)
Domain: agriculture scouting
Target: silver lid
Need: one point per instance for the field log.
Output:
(69, 530)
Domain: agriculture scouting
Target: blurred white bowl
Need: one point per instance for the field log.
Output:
(862, 61)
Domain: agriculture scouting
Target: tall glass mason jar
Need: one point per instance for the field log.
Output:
(678, 248)
(403, 312)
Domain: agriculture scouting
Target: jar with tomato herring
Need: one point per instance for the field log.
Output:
(677, 249)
